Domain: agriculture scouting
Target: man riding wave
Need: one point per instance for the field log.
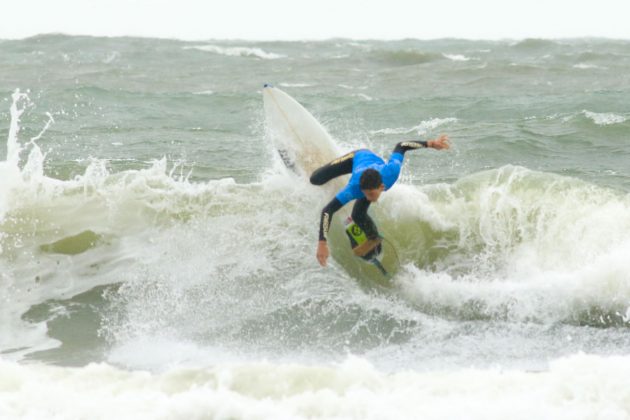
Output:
(370, 177)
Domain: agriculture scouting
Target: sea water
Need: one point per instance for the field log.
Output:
(157, 260)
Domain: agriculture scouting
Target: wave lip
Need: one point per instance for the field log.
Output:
(604, 118)
(586, 66)
(421, 129)
(237, 51)
(519, 245)
(457, 57)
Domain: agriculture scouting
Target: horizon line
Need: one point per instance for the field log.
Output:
(314, 39)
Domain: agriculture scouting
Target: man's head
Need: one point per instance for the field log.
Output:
(371, 184)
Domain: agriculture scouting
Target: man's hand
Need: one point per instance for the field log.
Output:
(322, 253)
(440, 143)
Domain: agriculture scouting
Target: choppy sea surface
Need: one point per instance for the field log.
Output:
(157, 260)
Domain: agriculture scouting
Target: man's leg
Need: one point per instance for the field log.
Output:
(338, 167)
(362, 218)
(372, 247)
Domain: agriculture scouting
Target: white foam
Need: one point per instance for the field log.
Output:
(166, 354)
(19, 104)
(364, 96)
(585, 66)
(237, 51)
(528, 245)
(295, 85)
(36, 210)
(127, 206)
(604, 118)
(576, 387)
(456, 57)
(421, 129)
(204, 92)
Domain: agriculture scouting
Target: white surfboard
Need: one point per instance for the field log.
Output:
(297, 135)
(304, 145)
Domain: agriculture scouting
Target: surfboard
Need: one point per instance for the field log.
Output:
(304, 145)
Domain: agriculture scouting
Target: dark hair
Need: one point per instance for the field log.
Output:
(370, 179)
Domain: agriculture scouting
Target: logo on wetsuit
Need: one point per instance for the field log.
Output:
(326, 225)
(342, 158)
(355, 233)
(411, 144)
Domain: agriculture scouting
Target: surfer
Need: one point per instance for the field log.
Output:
(370, 177)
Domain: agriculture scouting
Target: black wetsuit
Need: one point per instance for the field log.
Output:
(355, 163)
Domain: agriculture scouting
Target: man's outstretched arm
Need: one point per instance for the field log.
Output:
(441, 142)
(405, 146)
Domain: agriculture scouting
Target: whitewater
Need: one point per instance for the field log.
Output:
(157, 260)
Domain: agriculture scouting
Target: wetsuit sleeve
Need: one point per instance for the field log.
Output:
(405, 146)
(326, 218)
(391, 171)
(363, 219)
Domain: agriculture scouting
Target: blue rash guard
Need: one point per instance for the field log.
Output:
(364, 159)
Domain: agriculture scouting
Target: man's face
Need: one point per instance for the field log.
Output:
(373, 195)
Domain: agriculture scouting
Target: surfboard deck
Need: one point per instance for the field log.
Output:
(304, 145)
